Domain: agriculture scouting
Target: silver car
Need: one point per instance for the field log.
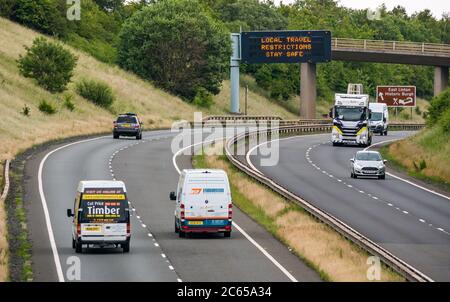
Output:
(368, 163)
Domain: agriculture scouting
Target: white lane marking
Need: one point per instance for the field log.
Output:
(48, 222)
(405, 180)
(274, 261)
(249, 238)
(422, 220)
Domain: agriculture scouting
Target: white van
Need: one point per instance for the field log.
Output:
(203, 202)
(379, 120)
(100, 215)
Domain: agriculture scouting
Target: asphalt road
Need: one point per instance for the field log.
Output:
(157, 254)
(408, 221)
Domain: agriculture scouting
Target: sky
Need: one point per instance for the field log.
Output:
(437, 7)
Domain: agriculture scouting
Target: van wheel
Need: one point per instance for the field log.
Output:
(227, 234)
(78, 247)
(126, 247)
(181, 234)
(73, 243)
(115, 136)
(385, 132)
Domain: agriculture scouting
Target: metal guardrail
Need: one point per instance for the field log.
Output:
(235, 120)
(391, 46)
(406, 270)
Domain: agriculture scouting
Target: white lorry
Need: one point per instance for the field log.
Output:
(379, 119)
(351, 116)
(203, 202)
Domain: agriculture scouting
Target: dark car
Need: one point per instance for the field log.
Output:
(127, 124)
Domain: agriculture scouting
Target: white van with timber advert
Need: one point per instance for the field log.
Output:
(101, 215)
(203, 202)
(351, 116)
(379, 119)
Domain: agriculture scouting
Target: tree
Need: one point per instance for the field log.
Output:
(49, 64)
(43, 15)
(178, 45)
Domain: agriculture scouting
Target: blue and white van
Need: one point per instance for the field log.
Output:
(203, 202)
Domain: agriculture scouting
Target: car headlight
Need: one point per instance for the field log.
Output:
(357, 167)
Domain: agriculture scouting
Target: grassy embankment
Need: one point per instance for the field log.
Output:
(425, 156)
(19, 132)
(330, 254)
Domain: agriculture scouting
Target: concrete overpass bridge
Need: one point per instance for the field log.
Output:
(379, 51)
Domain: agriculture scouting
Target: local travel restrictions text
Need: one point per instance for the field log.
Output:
(285, 46)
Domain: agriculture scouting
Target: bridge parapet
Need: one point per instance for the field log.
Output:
(391, 46)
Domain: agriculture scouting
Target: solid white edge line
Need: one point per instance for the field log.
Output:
(405, 180)
(249, 238)
(45, 208)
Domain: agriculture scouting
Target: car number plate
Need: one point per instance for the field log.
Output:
(126, 125)
(195, 222)
(93, 228)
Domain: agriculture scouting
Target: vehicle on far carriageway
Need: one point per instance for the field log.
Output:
(203, 202)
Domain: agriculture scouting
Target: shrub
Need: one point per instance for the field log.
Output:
(49, 64)
(47, 16)
(97, 92)
(203, 98)
(68, 104)
(438, 105)
(444, 121)
(46, 107)
(26, 110)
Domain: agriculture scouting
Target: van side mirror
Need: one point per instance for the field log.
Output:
(384, 119)
(330, 113)
(173, 196)
(69, 213)
(352, 160)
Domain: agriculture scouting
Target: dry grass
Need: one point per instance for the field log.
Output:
(328, 252)
(429, 146)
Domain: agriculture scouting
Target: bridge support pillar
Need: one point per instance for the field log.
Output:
(308, 91)
(440, 79)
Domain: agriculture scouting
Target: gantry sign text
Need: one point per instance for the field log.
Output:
(286, 46)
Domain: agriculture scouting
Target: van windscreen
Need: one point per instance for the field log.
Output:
(103, 205)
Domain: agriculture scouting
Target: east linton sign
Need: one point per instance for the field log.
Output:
(311, 46)
(397, 96)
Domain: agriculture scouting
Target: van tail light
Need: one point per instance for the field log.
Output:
(78, 229)
(182, 211)
(128, 228)
(230, 211)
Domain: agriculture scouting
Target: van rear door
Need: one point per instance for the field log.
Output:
(104, 213)
(207, 199)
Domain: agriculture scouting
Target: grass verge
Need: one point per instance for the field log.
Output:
(19, 255)
(425, 156)
(330, 254)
